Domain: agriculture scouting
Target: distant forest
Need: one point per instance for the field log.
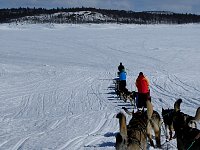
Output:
(70, 15)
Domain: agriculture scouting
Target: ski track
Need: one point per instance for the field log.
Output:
(20, 143)
(171, 88)
(1, 144)
(77, 142)
(72, 142)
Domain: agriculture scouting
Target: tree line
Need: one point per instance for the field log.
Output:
(69, 15)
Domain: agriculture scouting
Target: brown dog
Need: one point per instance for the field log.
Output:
(154, 123)
(134, 135)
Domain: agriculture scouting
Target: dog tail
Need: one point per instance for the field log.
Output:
(177, 105)
(197, 116)
(149, 109)
(122, 124)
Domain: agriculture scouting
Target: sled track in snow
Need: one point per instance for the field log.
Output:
(173, 87)
(88, 139)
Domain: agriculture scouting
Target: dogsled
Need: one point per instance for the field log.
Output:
(124, 94)
(134, 97)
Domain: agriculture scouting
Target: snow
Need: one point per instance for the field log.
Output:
(56, 88)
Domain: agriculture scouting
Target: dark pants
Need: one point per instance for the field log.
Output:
(141, 100)
(122, 85)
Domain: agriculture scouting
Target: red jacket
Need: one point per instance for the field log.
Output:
(142, 84)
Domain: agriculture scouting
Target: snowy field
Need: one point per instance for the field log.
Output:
(56, 81)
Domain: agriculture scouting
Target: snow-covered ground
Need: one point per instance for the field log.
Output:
(56, 81)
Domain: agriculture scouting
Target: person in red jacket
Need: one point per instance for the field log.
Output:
(142, 85)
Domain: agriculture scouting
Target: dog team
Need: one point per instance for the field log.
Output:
(136, 134)
(136, 98)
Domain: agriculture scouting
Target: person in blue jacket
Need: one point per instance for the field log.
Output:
(122, 80)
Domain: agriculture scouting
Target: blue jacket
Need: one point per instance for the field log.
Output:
(122, 75)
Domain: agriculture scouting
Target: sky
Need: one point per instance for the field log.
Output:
(178, 6)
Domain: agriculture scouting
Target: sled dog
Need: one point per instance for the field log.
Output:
(130, 95)
(134, 135)
(186, 136)
(154, 124)
(167, 115)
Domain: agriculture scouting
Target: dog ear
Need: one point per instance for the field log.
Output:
(197, 116)
(162, 111)
(179, 101)
(119, 115)
(124, 108)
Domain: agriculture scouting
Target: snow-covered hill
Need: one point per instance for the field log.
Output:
(66, 17)
(92, 15)
(56, 82)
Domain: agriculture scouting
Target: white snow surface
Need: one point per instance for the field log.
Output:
(56, 81)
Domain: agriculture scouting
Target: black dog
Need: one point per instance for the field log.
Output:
(167, 115)
(188, 138)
